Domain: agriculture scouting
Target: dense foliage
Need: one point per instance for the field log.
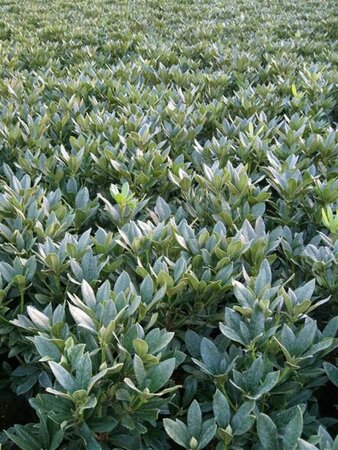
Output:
(169, 223)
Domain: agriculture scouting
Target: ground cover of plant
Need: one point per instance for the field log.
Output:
(168, 224)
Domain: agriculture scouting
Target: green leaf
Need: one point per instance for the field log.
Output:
(23, 439)
(43, 431)
(158, 340)
(294, 90)
(88, 294)
(177, 431)
(263, 279)
(230, 333)
(181, 241)
(147, 289)
(141, 347)
(162, 209)
(267, 432)
(122, 283)
(306, 336)
(305, 292)
(82, 319)
(210, 355)
(139, 370)
(104, 424)
(303, 445)
(83, 372)
(194, 419)
(193, 343)
(269, 383)
(242, 420)
(52, 261)
(180, 268)
(207, 433)
(221, 409)
(63, 377)
(7, 271)
(38, 318)
(160, 374)
(46, 348)
(89, 266)
(57, 439)
(82, 198)
(89, 439)
(293, 430)
(332, 372)
(335, 444)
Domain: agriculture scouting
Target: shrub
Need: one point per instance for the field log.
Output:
(168, 224)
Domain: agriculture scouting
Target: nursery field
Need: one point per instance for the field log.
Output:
(168, 224)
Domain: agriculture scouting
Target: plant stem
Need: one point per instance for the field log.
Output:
(22, 303)
(103, 354)
(222, 389)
